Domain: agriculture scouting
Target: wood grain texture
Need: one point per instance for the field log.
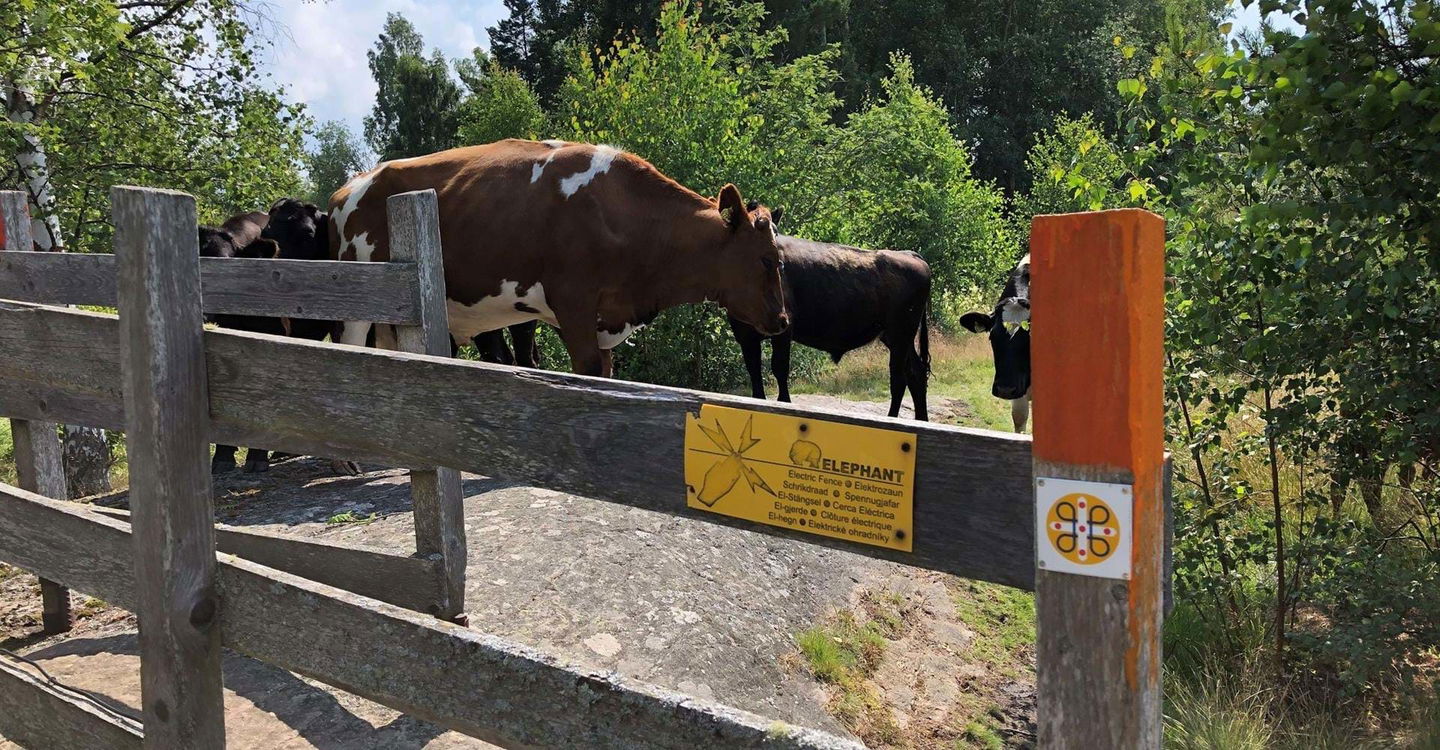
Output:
(314, 289)
(15, 232)
(35, 713)
(39, 466)
(438, 503)
(599, 438)
(478, 684)
(162, 355)
(39, 454)
(407, 582)
(1097, 312)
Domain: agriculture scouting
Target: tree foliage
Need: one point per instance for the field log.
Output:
(416, 101)
(338, 155)
(1297, 172)
(164, 94)
(501, 105)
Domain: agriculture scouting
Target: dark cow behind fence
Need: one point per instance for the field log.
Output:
(240, 237)
(588, 238)
(492, 347)
(292, 230)
(1009, 328)
(842, 298)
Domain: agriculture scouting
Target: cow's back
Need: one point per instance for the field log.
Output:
(508, 210)
(843, 297)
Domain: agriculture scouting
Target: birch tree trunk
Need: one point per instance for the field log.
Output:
(87, 454)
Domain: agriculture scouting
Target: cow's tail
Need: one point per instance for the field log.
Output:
(925, 336)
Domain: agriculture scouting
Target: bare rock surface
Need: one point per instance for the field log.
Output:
(708, 610)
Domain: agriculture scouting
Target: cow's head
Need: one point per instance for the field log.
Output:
(300, 229)
(747, 274)
(218, 243)
(1009, 328)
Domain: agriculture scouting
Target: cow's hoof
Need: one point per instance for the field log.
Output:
(256, 467)
(345, 468)
(222, 467)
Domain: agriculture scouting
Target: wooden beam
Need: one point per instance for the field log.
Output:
(315, 289)
(606, 439)
(162, 355)
(435, 495)
(40, 468)
(408, 582)
(1097, 306)
(39, 454)
(36, 713)
(482, 685)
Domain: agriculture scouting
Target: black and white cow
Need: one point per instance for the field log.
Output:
(1009, 328)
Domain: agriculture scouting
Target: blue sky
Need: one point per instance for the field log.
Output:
(319, 45)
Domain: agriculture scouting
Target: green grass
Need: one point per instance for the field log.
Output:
(349, 517)
(843, 652)
(980, 735)
(961, 367)
(1002, 618)
(7, 453)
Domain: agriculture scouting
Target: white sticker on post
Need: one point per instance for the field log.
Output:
(1083, 527)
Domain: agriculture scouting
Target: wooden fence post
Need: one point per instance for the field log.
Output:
(1097, 306)
(167, 413)
(435, 495)
(39, 455)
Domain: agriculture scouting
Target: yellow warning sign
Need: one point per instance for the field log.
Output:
(827, 478)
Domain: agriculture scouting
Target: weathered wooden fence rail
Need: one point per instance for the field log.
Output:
(407, 292)
(974, 507)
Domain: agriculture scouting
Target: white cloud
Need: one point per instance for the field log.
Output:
(319, 48)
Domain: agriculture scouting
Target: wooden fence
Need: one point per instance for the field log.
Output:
(408, 292)
(173, 387)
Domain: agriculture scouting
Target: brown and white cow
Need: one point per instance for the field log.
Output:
(588, 238)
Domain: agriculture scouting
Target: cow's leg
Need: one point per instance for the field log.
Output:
(522, 336)
(490, 345)
(918, 377)
(355, 332)
(749, 340)
(257, 460)
(1370, 493)
(385, 338)
(224, 460)
(607, 363)
(780, 363)
(1020, 412)
(899, 355)
(577, 332)
(1338, 488)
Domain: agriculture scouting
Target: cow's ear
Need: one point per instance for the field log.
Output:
(776, 214)
(977, 321)
(261, 248)
(732, 206)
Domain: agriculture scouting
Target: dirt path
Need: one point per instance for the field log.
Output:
(708, 610)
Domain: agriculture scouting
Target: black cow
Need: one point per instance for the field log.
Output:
(1009, 328)
(492, 348)
(240, 237)
(302, 232)
(842, 298)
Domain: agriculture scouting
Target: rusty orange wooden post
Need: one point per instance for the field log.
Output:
(1097, 302)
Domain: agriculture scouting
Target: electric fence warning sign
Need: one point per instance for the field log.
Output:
(819, 477)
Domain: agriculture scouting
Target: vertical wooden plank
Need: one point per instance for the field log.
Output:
(39, 455)
(167, 432)
(1097, 307)
(435, 494)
